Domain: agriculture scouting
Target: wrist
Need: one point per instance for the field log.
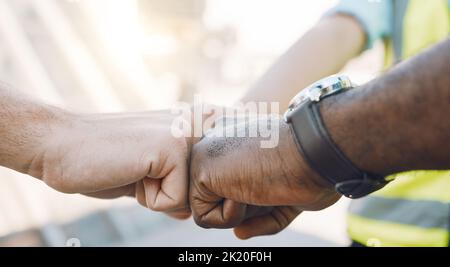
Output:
(298, 164)
(311, 190)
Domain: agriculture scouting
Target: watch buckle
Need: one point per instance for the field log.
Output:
(359, 188)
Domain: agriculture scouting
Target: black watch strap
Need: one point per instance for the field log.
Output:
(325, 157)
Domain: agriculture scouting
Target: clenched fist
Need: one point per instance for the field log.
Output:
(112, 155)
(237, 183)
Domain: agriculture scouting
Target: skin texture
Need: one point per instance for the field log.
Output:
(279, 84)
(364, 123)
(400, 121)
(274, 183)
(112, 155)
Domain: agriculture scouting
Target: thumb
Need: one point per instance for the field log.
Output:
(275, 221)
(169, 193)
(165, 187)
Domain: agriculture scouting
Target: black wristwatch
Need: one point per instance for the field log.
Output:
(317, 147)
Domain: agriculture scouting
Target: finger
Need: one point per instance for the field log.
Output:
(211, 210)
(224, 214)
(128, 190)
(269, 224)
(257, 211)
(180, 215)
(169, 193)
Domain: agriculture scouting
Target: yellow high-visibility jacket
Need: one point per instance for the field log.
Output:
(414, 209)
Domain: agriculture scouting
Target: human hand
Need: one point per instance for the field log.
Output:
(113, 155)
(231, 177)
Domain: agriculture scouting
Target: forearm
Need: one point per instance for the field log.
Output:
(400, 121)
(25, 126)
(322, 51)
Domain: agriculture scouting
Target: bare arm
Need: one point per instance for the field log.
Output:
(24, 127)
(100, 155)
(400, 121)
(322, 51)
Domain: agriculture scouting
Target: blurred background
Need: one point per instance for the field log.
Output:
(129, 55)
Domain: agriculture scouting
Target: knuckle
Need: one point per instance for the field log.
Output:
(148, 164)
(200, 174)
(202, 178)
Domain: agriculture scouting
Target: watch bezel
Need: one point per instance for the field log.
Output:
(319, 90)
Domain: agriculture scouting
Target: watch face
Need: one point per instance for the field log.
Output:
(319, 90)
